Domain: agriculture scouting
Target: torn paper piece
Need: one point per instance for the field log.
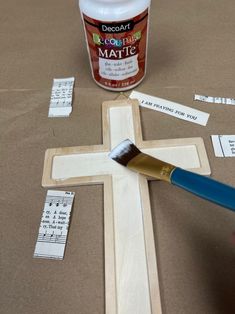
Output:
(215, 100)
(224, 145)
(61, 97)
(171, 108)
(54, 225)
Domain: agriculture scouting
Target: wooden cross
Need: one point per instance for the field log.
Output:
(131, 276)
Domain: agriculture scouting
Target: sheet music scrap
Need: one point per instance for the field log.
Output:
(61, 97)
(215, 100)
(54, 225)
(224, 145)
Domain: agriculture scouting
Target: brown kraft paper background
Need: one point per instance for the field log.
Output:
(191, 50)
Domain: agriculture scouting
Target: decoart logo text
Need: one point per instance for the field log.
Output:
(116, 27)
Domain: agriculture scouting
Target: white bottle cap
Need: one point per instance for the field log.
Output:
(113, 10)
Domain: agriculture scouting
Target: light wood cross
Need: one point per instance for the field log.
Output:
(131, 276)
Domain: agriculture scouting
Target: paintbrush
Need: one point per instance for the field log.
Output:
(128, 155)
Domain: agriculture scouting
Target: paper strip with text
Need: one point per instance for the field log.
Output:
(171, 108)
(215, 100)
(224, 145)
(61, 97)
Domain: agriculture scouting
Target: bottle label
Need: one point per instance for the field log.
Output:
(117, 50)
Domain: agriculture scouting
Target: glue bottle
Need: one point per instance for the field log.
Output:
(116, 35)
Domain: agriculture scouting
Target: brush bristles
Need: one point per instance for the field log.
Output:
(124, 152)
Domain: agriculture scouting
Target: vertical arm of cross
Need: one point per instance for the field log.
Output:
(133, 295)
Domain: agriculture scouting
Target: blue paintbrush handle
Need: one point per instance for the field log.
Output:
(205, 187)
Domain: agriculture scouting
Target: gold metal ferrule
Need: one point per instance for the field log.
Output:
(151, 167)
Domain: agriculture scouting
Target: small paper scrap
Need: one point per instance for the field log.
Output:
(215, 100)
(224, 145)
(171, 108)
(54, 225)
(61, 97)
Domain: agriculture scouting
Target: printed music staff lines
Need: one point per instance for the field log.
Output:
(52, 238)
(61, 97)
(53, 230)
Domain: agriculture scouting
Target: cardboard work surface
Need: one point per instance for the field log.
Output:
(191, 50)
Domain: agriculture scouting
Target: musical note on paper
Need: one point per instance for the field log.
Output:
(51, 238)
(54, 225)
